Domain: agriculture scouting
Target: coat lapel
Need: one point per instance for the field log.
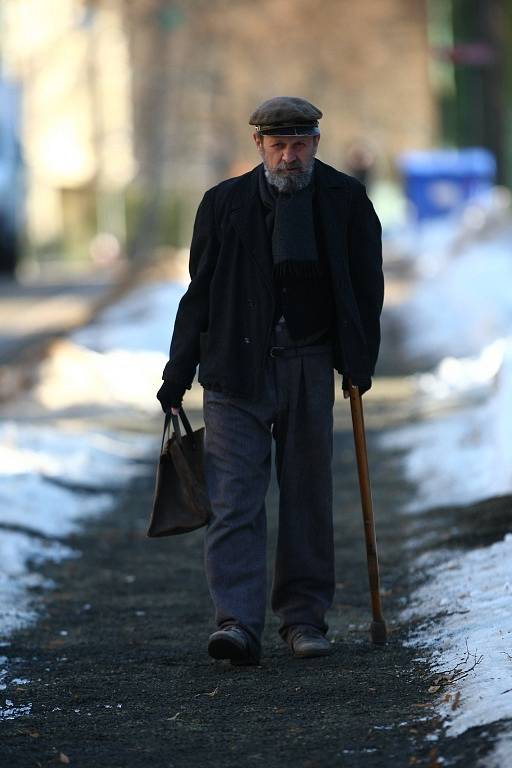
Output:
(332, 198)
(333, 204)
(248, 219)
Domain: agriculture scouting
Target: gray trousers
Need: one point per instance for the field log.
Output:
(295, 410)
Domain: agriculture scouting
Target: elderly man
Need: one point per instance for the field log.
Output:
(286, 286)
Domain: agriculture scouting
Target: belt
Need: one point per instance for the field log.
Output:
(312, 349)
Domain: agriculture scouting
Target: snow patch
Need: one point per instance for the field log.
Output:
(500, 755)
(469, 599)
(461, 300)
(139, 322)
(464, 455)
(9, 712)
(17, 552)
(75, 377)
(459, 316)
(117, 361)
(87, 458)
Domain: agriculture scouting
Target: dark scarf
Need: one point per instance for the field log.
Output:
(289, 218)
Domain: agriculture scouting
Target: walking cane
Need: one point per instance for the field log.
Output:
(378, 625)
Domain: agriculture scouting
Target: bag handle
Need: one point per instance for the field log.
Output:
(176, 424)
(175, 419)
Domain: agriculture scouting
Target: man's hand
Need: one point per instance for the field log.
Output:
(168, 398)
(346, 390)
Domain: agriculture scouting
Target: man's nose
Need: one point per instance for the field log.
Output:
(289, 156)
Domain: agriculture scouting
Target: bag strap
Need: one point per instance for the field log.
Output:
(186, 422)
(167, 422)
(175, 419)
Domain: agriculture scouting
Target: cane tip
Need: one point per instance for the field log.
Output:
(378, 632)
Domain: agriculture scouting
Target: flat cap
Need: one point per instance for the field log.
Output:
(286, 116)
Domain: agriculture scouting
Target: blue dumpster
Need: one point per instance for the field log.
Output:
(438, 181)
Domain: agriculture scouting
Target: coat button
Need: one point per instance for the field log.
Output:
(251, 303)
(344, 323)
(247, 340)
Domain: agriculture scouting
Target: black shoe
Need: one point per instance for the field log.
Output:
(306, 642)
(232, 643)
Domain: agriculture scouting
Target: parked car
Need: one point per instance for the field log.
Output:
(11, 177)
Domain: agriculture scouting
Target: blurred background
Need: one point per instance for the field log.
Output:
(116, 115)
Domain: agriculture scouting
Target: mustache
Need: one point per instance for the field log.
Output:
(294, 166)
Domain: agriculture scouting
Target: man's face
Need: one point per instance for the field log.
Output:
(288, 160)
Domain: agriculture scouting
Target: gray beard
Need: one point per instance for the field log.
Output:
(289, 182)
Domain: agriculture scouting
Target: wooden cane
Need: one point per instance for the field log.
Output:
(378, 626)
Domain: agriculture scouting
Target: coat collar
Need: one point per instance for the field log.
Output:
(332, 205)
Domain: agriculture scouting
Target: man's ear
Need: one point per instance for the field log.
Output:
(316, 140)
(258, 139)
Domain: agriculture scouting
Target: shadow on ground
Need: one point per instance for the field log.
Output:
(119, 674)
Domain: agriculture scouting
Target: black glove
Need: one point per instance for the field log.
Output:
(169, 396)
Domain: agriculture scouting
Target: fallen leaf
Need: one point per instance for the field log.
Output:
(456, 701)
(434, 688)
(55, 643)
(174, 716)
(214, 692)
(34, 734)
(64, 758)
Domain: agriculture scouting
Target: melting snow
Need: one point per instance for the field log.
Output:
(473, 441)
(460, 315)
(469, 599)
(9, 712)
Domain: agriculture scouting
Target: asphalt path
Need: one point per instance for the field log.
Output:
(118, 673)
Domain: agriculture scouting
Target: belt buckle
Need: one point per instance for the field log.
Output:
(274, 350)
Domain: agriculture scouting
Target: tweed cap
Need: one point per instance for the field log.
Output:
(286, 116)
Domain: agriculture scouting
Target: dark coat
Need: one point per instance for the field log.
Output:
(224, 319)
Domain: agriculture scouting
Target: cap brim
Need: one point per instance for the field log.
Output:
(289, 130)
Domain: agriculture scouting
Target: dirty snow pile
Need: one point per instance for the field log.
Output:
(470, 596)
(462, 454)
(459, 317)
(117, 361)
(54, 474)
